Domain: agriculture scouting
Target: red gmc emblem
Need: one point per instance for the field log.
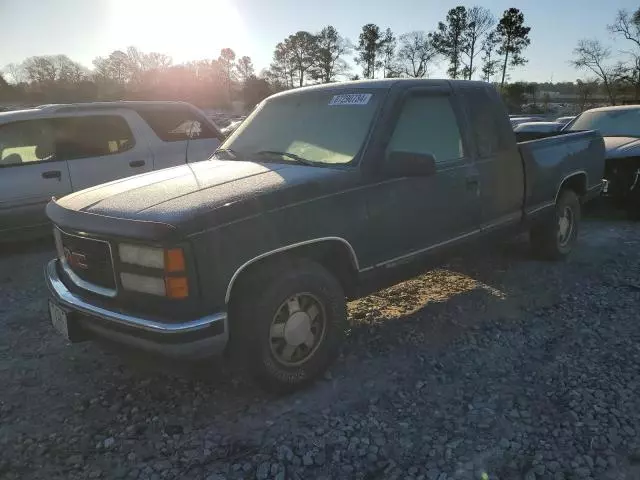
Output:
(75, 259)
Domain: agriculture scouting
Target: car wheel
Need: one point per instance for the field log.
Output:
(555, 238)
(292, 319)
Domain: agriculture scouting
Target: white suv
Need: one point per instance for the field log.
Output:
(54, 150)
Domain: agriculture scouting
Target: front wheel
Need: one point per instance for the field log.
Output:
(291, 323)
(555, 238)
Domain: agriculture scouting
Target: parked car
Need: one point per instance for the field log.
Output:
(515, 121)
(565, 120)
(620, 127)
(57, 149)
(320, 192)
(535, 130)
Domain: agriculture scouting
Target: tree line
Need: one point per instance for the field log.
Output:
(135, 75)
(472, 42)
(616, 73)
(466, 39)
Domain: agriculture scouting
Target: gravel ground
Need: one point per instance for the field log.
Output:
(492, 367)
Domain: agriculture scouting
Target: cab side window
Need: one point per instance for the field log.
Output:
(26, 142)
(427, 125)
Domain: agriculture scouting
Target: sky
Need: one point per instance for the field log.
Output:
(195, 29)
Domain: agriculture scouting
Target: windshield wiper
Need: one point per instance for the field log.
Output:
(230, 153)
(292, 156)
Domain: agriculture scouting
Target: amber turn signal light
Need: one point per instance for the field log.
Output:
(174, 260)
(177, 287)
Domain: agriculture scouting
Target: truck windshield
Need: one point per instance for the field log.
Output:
(610, 123)
(321, 127)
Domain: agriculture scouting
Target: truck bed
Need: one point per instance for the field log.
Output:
(548, 161)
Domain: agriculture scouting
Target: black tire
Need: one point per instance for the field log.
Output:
(546, 238)
(261, 296)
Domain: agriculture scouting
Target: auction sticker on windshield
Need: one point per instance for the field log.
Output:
(351, 99)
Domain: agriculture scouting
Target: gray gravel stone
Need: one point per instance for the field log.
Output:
(494, 363)
(263, 471)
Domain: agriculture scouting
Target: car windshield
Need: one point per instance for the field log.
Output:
(322, 127)
(610, 123)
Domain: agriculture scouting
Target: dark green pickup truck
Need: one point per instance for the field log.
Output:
(320, 191)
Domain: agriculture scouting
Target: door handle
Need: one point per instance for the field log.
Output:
(52, 174)
(137, 163)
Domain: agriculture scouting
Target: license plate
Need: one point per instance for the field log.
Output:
(59, 319)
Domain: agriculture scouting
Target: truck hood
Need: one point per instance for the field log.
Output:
(618, 147)
(201, 195)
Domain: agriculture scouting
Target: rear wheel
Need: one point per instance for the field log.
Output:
(555, 238)
(291, 323)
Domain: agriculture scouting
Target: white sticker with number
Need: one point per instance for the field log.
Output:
(351, 99)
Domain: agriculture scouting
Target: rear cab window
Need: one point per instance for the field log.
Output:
(486, 119)
(177, 124)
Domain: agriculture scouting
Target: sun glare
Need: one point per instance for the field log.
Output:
(185, 30)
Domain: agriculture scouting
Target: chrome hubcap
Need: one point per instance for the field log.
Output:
(565, 226)
(297, 329)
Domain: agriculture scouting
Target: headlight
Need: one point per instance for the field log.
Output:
(143, 283)
(170, 281)
(143, 256)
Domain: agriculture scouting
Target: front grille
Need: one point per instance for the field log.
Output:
(89, 261)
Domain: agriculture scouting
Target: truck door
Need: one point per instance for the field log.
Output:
(30, 174)
(99, 147)
(420, 213)
(499, 163)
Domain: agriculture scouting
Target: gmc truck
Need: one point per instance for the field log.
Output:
(321, 191)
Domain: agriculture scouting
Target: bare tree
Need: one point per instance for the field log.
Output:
(117, 67)
(40, 69)
(593, 55)
(479, 22)
(69, 71)
(586, 89)
(16, 72)
(415, 53)
(627, 26)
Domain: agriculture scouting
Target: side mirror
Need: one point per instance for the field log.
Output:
(409, 164)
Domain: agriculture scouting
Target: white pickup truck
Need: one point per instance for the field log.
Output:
(54, 150)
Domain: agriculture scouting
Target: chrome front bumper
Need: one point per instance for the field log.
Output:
(201, 337)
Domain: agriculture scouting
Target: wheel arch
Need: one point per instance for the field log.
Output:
(330, 252)
(576, 181)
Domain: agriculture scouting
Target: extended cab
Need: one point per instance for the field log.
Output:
(320, 191)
